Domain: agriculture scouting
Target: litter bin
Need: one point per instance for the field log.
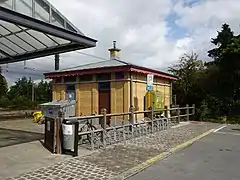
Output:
(70, 137)
(54, 108)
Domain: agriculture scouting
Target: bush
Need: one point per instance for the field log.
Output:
(22, 103)
(4, 102)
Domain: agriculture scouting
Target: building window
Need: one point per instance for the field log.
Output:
(58, 80)
(119, 75)
(85, 78)
(71, 79)
(104, 77)
(70, 92)
(103, 86)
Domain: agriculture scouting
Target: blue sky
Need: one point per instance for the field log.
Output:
(175, 32)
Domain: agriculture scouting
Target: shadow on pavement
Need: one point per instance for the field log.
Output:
(9, 137)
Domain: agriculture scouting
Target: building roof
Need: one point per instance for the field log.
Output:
(101, 64)
(112, 65)
(33, 29)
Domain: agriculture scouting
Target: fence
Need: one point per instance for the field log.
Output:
(101, 136)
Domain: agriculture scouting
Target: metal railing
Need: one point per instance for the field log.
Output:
(152, 122)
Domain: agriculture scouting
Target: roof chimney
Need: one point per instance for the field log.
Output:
(114, 52)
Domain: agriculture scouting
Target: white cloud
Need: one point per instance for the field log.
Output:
(140, 29)
(203, 18)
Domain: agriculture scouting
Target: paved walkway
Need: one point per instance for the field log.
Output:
(112, 162)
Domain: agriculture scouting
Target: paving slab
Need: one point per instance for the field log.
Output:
(114, 160)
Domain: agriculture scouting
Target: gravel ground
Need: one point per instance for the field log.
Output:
(105, 164)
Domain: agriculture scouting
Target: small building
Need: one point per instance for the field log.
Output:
(112, 84)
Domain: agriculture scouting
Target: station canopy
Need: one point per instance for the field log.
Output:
(34, 28)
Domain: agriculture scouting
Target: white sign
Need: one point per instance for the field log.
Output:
(67, 129)
(150, 79)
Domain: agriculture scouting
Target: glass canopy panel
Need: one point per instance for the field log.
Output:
(35, 43)
(21, 42)
(60, 40)
(42, 37)
(7, 50)
(3, 31)
(24, 7)
(13, 46)
(10, 27)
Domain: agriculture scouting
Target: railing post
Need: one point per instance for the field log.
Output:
(152, 118)
(193, 109)
(166, 114)
(187, 112)
(131, 118)
(104, 125)
(178, 114)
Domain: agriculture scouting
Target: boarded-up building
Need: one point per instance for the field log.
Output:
(112, 84)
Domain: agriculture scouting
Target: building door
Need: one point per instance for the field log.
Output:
(104, 94)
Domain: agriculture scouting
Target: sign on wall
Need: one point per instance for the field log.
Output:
(150, 78)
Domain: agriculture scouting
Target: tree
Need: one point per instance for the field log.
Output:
(22, 87)
(43, 92)
(188, 88)
(226, 58)
(3, 86)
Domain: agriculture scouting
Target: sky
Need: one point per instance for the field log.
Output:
(152, 33)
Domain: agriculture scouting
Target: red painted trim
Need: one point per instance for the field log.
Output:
(112, 69)
(155, 73)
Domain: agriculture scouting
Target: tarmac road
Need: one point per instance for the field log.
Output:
(214, 157)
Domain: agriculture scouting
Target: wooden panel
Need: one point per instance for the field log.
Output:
(119, 105)
(78, 105)
(142, 77)
(94, 98)
(167, 96)
(139, 91)
(85, 99)
(126, 98)
(159, 80)
(62, 89)
(54, 92)
(113, 97)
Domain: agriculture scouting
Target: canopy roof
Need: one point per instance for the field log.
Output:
(34, 28)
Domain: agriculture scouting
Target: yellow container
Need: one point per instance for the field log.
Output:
(37, 115)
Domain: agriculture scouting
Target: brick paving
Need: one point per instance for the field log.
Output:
(109, 163)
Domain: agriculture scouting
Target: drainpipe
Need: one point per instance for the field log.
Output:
(131, 90)
(171, 96)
